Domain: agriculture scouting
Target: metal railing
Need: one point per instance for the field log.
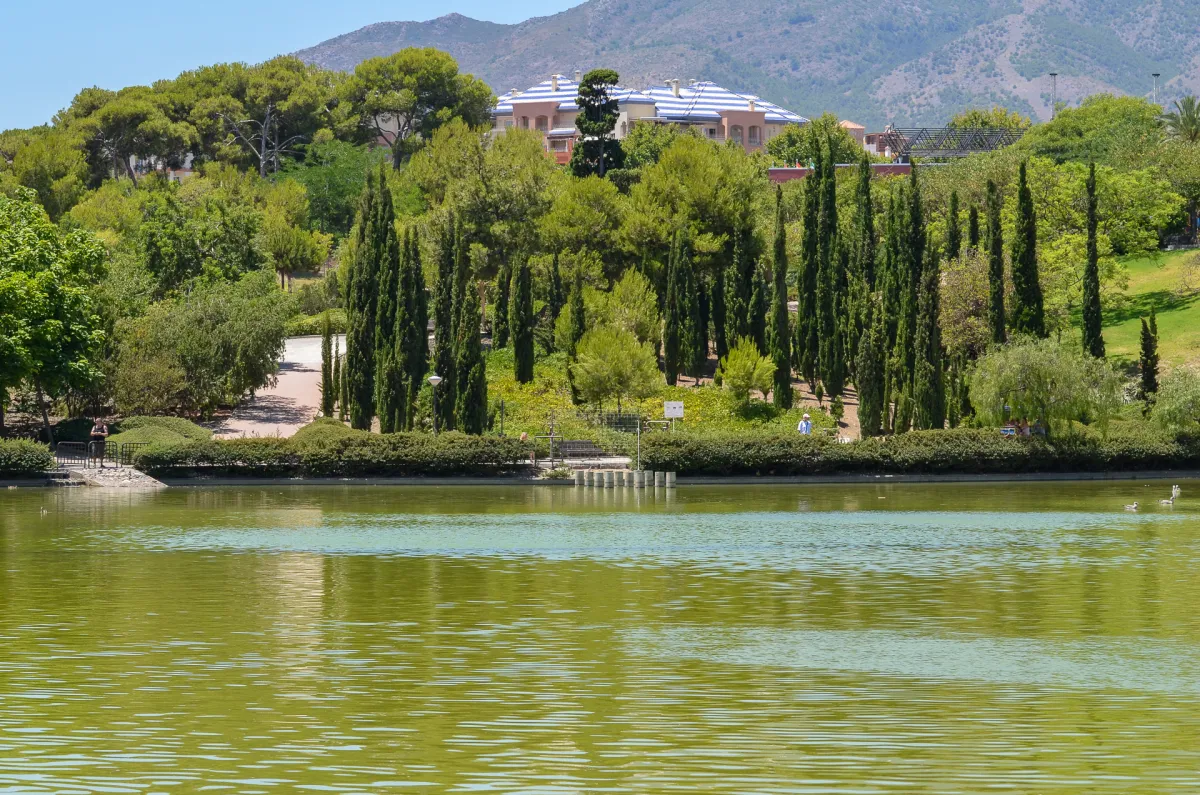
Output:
(90, 454)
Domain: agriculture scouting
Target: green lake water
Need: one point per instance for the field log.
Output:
(1030, 638)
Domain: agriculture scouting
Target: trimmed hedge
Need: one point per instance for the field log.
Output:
(158, 429)
(958, 451)
(311, 325)
(21, 458)
(332, 454)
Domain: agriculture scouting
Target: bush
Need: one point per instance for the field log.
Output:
(310, 325)
(177, 426)
(1133, 446)
(323, 449)
(23, 458)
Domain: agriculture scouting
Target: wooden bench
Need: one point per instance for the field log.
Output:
(578, 449)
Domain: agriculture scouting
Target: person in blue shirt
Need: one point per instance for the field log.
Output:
(805, 426)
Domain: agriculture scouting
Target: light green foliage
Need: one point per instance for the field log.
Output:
(993, 117)
(1183, 121)
(1110, 130)
(797, 145)
(46, 160)
(153, 429)
(332, 173)
(631, 306)
(585, 214)
(645, 143)
(1177, 405)
(612, 365)
(744, 370)
(1054, 383)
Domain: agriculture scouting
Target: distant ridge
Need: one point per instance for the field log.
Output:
(906, 62)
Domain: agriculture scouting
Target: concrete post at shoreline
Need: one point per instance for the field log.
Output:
(578, 477)
(670, 480)
(639, 479)
(588, 477)
(608, 478)
(660, 479)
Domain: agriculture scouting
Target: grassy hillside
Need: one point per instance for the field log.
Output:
(904, 64)
(1158, 282)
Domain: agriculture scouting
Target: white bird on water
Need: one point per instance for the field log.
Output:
(1174, 494)
(1131, 507)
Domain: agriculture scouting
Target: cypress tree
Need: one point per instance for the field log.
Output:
(389, 374)
(929, 391)
(328, 389)
(443, 326)
(995, 253)
(827, 277)
(674, 317)
(779, 341)
(578, 326)
(704, 317)
(359, 371)
(719, 313)
(953, 233)
(758, 307)
(470, 404)
(911, 239)
(556, 297)
(869, 373)
(738, 287)
(1093, 339)
(810, 263)
(693, 342)
(500, 328)
(973, 228)
(337, 378)
(416, 340)
(462, 277)
(1027, 312)
(343, 392)
(865, 217)
(1148, 357)
(521, 321)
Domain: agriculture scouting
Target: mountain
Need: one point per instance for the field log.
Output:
(905, 62)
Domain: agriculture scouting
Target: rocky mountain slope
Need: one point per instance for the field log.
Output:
(906, 62)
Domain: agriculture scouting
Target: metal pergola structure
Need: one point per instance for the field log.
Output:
(943, 142)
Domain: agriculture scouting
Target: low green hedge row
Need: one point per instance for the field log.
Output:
(963, 450)
(326, 455)
(312, 325)
(21, 458)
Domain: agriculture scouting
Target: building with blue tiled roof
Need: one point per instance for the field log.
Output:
(714, 112)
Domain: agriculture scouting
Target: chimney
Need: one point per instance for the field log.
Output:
(751, 106)
(514, 92)
(578, 76)
(691, 83)
(675, 87)
(554, 82)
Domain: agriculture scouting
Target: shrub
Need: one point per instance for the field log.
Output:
(23, 458)
(176, 425)
(310, 325)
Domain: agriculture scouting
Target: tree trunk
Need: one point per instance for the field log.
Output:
(45, 416)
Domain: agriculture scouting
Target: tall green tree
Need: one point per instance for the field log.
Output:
(1148, 356)
(443, 324)
(470, 402)
(1183, 122)
(973, 228)
(521, 321)
(676, 315)
(597, 151)
(719, 313)
(390, 315)
(869, 373)
(953, 232)
(338, 386)
(1028, 315)
(995, 257)
(828, 280)
(361, 305)
(865, 225)
(759, 302)
(810, 264)
(556, 297)
(412, 329)
(500, 321)
(1093, 338)
(929, 392)
(328, 386)
(779, 342)
(739, 290)
(578, 324)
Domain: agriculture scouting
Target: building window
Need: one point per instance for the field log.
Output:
(543, 124)
(712, 132)
(524, 122)
(755, 136)
(735, 132)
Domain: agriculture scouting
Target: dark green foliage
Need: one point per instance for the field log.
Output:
(338, 388)
(1128, 447)
(389, 317)
(758, 307)
(328, 384)
(675, 318)
(359, 371)
(703, 320)
(343, 392)
(443, 326)
(995, 254)
(521, 321)
(810, 263)
(597, 150)
(869, 373)
(470, 400)
(23, 458)
(779, 339)
(739, 291)
(953, 232)
(1148, 356)
(973, 228)
(1093, 338)
(500, 321)
(1027, 313)
(828, 280)
(718, 310)
(578, 326)
(864, 253)
(412, 337)
(556, 297)
(335, 451)
(929, 392)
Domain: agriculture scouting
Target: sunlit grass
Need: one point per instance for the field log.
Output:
(1154, 282)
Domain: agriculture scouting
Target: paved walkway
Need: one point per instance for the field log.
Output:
(291, 404)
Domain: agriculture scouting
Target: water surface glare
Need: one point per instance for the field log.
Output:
(761, 639)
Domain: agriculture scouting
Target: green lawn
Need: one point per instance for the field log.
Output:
(1154, 282)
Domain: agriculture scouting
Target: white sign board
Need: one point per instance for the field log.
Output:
(673, 409)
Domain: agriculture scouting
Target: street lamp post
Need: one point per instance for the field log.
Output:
(434, 380)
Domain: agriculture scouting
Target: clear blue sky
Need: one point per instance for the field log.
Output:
(48, 51)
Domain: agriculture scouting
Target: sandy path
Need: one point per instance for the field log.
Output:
(292, 403)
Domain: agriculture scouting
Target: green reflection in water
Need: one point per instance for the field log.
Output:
(880, 638)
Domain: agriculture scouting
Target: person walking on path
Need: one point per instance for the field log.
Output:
(805, 426)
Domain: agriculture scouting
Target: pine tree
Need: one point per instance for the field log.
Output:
(1027, 313)
(470, 405)
(328, 391)
(1148, 357)
(929, 391)
(810, 263)
(759, 301)
(1093, 338)
(443, 326)
(415, 337)
(389, 375)
(500, 321)
(359, 371)
(869, 373)
(953, 233)
(521, 321)
(995, 253)
(779, 341)
(973, 228)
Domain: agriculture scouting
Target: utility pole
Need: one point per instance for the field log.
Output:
(1053, 95)
(1155, 76)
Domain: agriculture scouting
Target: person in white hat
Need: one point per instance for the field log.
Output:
(805, 426)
